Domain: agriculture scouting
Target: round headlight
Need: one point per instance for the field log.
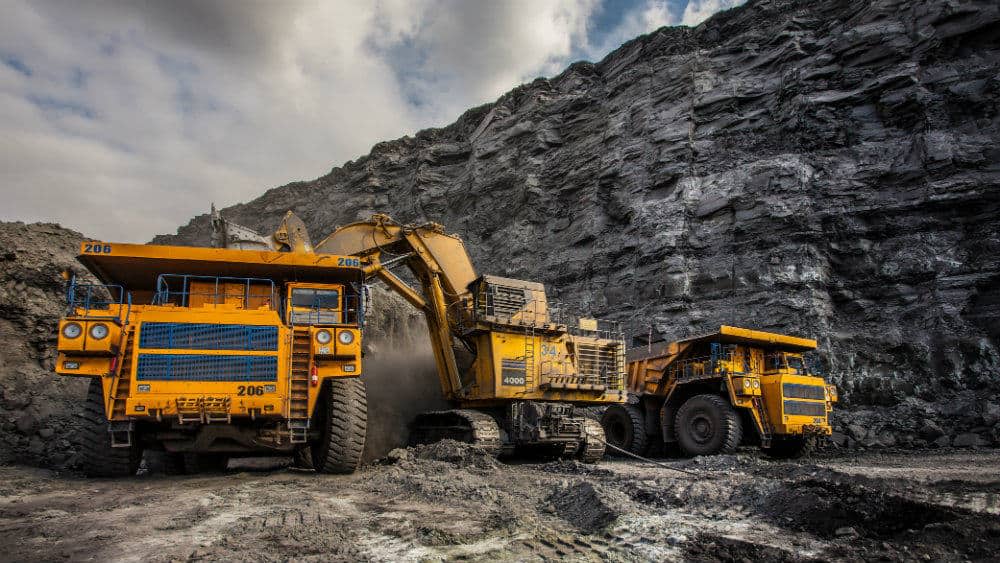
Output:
(756, 384)
(71, 330)
(746, 383)
(98, 331)
(323, 337)
(345, 337)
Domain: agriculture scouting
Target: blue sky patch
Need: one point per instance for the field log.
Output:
(16, 64)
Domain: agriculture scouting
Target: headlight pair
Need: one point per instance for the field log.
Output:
(345, 337)
(98, 331)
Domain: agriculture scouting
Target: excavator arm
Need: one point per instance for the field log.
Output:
(440, 263)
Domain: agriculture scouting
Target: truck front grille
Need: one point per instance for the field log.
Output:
(805, 408)
(205, 336)
(800, 391)
(204, 367)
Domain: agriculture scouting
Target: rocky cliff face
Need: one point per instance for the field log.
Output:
(37, 409)
(824, 168)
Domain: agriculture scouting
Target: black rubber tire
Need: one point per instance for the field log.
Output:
(302, 459)
(343, 425)
(791, 447)
(625, 428)
(205, 463)
(99, 459)
(707, 425)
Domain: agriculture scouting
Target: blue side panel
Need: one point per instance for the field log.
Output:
(201, 336)
(200, 367)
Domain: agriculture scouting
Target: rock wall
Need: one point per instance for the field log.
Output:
(826, 168)
(38, 411)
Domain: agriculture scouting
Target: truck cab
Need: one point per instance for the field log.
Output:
(245, 353)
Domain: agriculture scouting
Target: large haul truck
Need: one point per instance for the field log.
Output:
(207, 353)
(524, 373)
(710, 393)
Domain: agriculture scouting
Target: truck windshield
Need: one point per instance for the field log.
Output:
(316, 298)
(795, 362)
(315, 306)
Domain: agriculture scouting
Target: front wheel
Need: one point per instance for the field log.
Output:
(707, 425)
(343, 421)
(100, 459)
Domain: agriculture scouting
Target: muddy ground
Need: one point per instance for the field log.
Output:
(447, 502)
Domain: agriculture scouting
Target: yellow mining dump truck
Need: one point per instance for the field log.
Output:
(207, 353)
(523, 373)
(704, 394)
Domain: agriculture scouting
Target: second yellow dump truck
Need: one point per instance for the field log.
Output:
(204, 354)
(710, 393)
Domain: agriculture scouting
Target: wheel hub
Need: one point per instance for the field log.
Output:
(702, 429)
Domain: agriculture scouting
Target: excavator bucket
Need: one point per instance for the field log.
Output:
(380, 234)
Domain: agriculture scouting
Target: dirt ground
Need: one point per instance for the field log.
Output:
(448, 501)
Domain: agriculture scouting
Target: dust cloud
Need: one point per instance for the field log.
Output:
(401, 383)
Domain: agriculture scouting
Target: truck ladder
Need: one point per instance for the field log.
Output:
(529, 356)
(123, 380)
(298, 385)
(765, 422)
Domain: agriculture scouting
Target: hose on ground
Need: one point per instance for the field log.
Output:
(647, 460)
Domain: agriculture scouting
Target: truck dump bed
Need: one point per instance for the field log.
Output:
(725, 335)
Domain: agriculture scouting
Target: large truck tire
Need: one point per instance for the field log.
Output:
(99, 459)
(343, 424)
(791, 447)
(707, 425)
(625, 428)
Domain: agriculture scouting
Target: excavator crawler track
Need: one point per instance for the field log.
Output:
(462, 425)
(592, 449)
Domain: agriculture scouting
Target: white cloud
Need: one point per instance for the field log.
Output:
(698, 11)
(124, 119)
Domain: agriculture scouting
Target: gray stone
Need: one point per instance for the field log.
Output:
(943, 442)
(46, 433)
(991, 413)
(25, 423)
(969, 440)
(930, 430)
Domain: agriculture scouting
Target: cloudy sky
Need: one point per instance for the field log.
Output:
(124, 119)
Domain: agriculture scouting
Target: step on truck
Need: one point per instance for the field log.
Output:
(710, 393)
(204, 354)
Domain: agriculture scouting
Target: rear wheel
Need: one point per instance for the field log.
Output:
(791, 447)
(625, 428)
(344, 421)
(98, 457)
(303, 459)
(707, 425)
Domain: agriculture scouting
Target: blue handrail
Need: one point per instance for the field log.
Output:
(96, 297)
(164, 293)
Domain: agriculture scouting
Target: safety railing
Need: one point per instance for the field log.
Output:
(510, 305)
(247, 293)
(97, 301)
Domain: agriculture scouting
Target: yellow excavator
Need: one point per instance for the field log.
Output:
(523, 373)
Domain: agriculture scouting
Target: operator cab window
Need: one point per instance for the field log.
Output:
(795, 363)
(315, 306)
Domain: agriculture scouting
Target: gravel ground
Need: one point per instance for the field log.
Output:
(449, 501)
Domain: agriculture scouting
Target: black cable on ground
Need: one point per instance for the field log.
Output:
(647, 460)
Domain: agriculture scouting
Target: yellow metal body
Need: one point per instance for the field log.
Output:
(206, 394)
(763, 372)
(521, 351)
